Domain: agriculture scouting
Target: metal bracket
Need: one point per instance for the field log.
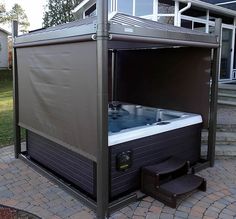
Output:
(94, 37)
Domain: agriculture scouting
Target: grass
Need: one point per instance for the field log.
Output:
(6, 108)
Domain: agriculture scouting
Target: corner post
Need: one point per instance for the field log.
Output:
(214, 95)
(16, 127)
(102, 92)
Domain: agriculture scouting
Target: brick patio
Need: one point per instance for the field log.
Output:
(23, 188)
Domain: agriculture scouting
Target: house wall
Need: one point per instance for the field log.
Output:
(197, 18)
(3, 50)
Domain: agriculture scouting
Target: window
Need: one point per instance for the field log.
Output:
(143, 7)
(109, 5)
(166, 8)
(92, 11)
(125, 6)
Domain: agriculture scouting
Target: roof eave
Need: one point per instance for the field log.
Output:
(214, 8)
(5, 31)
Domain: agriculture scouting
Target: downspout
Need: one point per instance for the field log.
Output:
(181, 11)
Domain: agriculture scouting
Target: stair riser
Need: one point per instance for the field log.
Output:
(221, 151)
(221, 142)
(226, 91)
(227, 138)
(226, 128)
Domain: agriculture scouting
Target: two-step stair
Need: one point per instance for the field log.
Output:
(169, 180)
(227, 94)
(225, 141)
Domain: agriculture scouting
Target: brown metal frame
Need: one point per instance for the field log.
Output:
(214, 95)
(102, 71)
(16, 127)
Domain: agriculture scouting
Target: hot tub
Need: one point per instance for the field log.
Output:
(138, 136)
(128, 122)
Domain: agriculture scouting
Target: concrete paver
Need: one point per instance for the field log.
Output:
(23, 188)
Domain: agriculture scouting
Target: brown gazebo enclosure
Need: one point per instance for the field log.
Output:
(65, 76)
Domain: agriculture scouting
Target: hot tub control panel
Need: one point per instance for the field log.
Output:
(124, 160)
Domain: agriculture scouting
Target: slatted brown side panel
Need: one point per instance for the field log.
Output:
(67, 164)
(183, 143)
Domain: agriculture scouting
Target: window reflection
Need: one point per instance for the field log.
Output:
(125, 6)
(109, 5)
(143, 7)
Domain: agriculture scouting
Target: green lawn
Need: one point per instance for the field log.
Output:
(6, 111)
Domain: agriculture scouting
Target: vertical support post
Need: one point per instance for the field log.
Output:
(16, 127)
(232, 51)
(207, 21)
(176, 13)
(102, 98)
(134, 8)
(214, 96)
(155, 10)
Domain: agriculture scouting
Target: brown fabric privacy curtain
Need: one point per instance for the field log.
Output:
(58, 94)
(171, 78)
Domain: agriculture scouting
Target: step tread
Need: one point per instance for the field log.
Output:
(227, 87)
(231, 103)
(182, 185)
(171, 165)
(227, 95)
(221, 136)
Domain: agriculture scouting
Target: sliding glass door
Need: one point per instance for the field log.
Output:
(226, 54)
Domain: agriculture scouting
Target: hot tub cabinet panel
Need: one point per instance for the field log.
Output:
(183, 143)
(81, 172)
(65, 163)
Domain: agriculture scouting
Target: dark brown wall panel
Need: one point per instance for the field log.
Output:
(169, 78)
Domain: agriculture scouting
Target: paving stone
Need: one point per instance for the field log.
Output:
(210, 213)
(166, 216)
(141, 211)
(181, 214)
(138, 217)
(199, 209)
(148, 199)
(151, 215)
(228, 212)
(225, 216)
(155, 209)
(23, 188)
(184, 209)
(145, 204)
(83, 214)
